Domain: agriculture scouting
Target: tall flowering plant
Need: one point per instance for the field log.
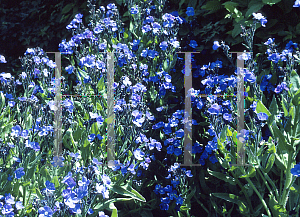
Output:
(273, 104)
(77, 183)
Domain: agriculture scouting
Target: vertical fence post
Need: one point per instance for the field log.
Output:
(57, 111)
(110, 110)
(188, 127)
(240, 113)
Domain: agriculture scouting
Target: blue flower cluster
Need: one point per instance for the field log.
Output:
(7, 209)
(169, 192)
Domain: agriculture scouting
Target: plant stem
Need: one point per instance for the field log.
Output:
(260, 197)
(243, 190)
(288, 182)
(265, 181)
(271, 182)
(281, 175)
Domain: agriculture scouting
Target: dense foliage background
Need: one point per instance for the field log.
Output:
(42, 23)
(26, 24)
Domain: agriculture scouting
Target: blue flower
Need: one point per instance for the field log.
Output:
(280, 87)
(102, 46)
(262, 116)
(76, 156)
(106, 180)
(9, 199)
(193, 44)
(163, 45)
(227, 117)
(102, 190)
(179, 200)
(213, 159)
(2, 59)
(249, 76)
(296, 170)
(146, 28)
(29, 51)
(81, 191)
(214, 109)
(91, 137)
(296, 4)
(9, 178)
(190, 11)
(138, 154)
(49, 186)
(170, 149)
(270, 41)
(216, 45)
(7, 209)
(156, 27)
(19, 205)
(134, 10)
(177, 151)
(45, 211)
(291, 45)
(19, 173)
(260, 17)
(179, 133)
(16, 131)
(90, 212)
(111, 6)
(174, 42)
(149, 19)
(58, 161)
(152, 53)
(244, 56)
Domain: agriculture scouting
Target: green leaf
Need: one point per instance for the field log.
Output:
(100, 85)
(283, 103)
(276, 209)
(105, 205)
(190, 195)
(161, 135)
(127, 190)
(295, 80)
(68, 139)
(86, 143)
(236, 30)
(230, 6)
(114, 210)
(29, 121)
(67, 8)
(165, 65)
(270, 2)
(181, 2)
(2, 101)
(283, 145)
(269, 164)
(222, 176)
(279, 162)
(125, 35)
(94, 128)
(223, 134)
(296, 98)
(78, 133)
(251, 172)
(55, 182)
(234, 199)
(273, 106)
(261, 108)
(254, 9)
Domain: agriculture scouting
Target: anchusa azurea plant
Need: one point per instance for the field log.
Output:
(271, 108)
(148, 58)
(73, 184)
